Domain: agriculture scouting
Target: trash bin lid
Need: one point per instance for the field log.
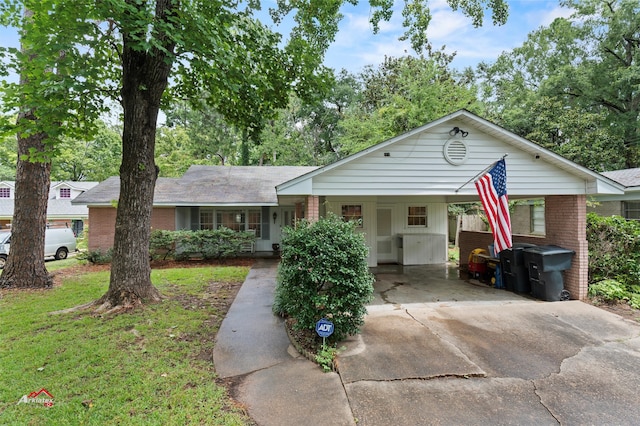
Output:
(549, 250)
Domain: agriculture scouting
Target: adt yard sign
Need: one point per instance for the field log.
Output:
(324, 328)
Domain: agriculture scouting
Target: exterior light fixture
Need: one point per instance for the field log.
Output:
(457, 130)
(275, 216)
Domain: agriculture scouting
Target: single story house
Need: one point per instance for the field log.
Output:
(400, 189)
(60, 211)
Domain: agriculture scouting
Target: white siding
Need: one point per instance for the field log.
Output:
(436, 217)
(417, 166)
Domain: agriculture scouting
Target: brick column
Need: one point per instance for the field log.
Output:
(313, 208)
(566, 226)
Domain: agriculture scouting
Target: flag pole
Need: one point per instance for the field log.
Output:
(481, 173)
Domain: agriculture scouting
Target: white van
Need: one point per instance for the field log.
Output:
(58, 242)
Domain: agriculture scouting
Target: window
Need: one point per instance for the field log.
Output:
(65, 192)
(255, 222)
(5, 192)
(537, 219)
(352, 212)
(206, 219)
(232, 219)
(632, 210)
(417, 216)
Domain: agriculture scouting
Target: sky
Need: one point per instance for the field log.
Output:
(356, 46)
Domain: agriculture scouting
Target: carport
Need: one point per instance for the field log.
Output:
(400, 191)
(444, 284)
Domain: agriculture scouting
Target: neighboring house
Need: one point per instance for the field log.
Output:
(399, 189)
(60, 211)
(626, 205)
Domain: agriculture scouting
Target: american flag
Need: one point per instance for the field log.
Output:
(492, 188)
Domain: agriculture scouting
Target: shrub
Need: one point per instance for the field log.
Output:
(162, 244)
(614, 249)
(97, 257)
(207, 243)
(609, 290)
(323, 273)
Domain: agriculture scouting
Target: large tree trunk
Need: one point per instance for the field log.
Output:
(25, 264)
(144, 78)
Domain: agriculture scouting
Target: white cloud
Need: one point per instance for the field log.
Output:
(547, 17)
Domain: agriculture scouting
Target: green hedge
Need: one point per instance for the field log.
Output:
(323, 273)
(208, 244)
(614, 258)
(614, 249)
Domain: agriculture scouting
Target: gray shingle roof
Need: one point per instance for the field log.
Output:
(626, 177)
(207, 185)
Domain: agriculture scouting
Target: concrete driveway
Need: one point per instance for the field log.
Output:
(502, 360)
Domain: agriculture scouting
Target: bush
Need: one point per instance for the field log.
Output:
(614, 249)
(609, 290)
(614, 258)
(162, 244)
(208, 243)
(323, 273)
(97, 257)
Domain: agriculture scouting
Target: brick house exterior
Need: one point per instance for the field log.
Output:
(104, 223)
(420, 172)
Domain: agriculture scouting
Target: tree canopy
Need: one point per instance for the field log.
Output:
(586, 69)
(144, 54)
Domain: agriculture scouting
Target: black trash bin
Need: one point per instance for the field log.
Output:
(545, 265)
(514, 270)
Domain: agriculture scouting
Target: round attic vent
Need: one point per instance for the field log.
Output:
(456, 152)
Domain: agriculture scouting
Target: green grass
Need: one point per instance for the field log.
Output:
(151, 366)
(55, 265)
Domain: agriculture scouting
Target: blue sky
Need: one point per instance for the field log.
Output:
(356, 46)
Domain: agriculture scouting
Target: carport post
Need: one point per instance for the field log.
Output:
(566, 226)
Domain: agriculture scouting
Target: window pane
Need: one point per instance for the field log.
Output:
(65, 192)
(255, 222)
(206, 219)
(632, 210)
(537, 220)
(232, 219)
(352, 213)
(417, 216)
(5, 192)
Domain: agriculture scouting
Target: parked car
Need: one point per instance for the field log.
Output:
(58, 242)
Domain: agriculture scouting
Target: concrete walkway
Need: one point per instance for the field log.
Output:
(510, 361)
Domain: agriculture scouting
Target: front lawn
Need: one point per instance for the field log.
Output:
(150, 366)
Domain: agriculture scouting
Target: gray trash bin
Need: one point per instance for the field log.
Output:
(514, 271)
(545, 265)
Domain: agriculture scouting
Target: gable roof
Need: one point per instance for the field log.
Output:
(207, 186)
(415, 163)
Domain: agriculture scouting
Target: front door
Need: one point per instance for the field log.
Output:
(384, 236)
(284, 216)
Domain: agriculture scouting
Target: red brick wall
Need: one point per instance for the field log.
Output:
(566, 226)
(565, 221)
(163, 218)
(313, 208)
(103, 223)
